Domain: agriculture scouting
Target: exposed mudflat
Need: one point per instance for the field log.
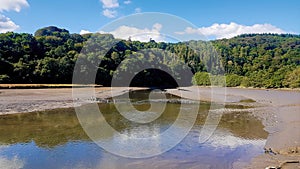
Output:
(278, 109)
(29, 100)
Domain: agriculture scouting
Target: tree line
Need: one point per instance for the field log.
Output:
(250, 60)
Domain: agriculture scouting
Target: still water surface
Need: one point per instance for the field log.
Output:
(55, 139)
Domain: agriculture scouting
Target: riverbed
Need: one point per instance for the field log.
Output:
(276, 111)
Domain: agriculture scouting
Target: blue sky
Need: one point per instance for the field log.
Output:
(214, 18)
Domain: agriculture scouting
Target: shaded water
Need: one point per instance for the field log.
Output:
(55, 139)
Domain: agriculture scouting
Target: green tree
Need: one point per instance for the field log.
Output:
(292, 79)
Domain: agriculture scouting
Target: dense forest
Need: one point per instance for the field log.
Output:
(250, 60)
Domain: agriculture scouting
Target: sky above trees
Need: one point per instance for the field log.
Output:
(214, 19)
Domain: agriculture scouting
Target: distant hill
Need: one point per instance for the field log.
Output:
(49, 56)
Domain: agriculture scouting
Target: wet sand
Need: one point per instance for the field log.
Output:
(278, 109)
(29, 100)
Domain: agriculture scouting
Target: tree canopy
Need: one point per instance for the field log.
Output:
(250, 60)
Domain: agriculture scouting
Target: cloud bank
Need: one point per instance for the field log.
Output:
(84, 32)
(15, 5)
(138, 34)
(220, 31)
(6, 24)
(215, 31)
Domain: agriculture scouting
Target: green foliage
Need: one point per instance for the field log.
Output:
(253, 60)
(245, 82)
(51, 31)
(207, 79)
(292, 79)
(4, 79)
(233, 80)
(201, 79)
(218, 80)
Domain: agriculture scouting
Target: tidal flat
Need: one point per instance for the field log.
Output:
(52, 131)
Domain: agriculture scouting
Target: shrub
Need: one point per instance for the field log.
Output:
(201, 79)
(233, 80)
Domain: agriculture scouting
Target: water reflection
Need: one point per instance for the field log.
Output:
(55, 139)
(47, 129)
(13, 163)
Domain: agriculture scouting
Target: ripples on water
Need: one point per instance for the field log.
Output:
(54, 139)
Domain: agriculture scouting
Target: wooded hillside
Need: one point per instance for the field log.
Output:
(49, 56)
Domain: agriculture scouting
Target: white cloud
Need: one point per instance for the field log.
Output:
(15, 5)
(109, 8)
(220, 31)
(84, 32)
(6, 24)
(127, 2)
(137, 10)
(110, 3)
(110, 13)
(143, 35)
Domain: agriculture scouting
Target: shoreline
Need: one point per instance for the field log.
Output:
(53, 86)
(279, 111)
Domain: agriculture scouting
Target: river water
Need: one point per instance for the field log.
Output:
(55, 139)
